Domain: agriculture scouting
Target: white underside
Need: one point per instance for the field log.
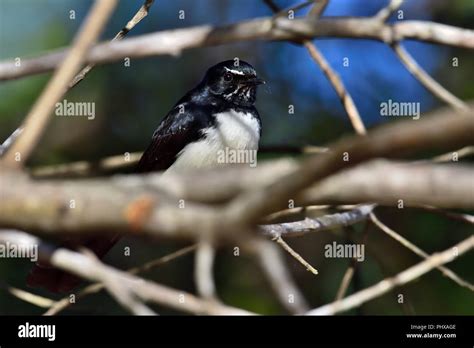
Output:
(235, 131)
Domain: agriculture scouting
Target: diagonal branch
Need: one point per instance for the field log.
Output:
(62, 304)
(338, 85)
(426, 80)
(387, 11)
(406, 243)
(404, 277)
(94, 270)
(142, 13)
(38, 117)
(175, 41)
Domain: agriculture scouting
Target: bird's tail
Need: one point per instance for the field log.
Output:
(45, 276)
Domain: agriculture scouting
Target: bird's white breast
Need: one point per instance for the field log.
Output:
(234, 130)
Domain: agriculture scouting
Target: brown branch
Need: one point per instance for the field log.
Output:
(407, 244)
(295, 255)
(65, 302)
(410, 274)
(93, 270)
(173, 42)
(426, 80)
(203, 270)
(387, 11)
(388, 140)
(338, 85)
(323, 223)
(39, 115)
(274, 267)
(137, 204)
(443, 186)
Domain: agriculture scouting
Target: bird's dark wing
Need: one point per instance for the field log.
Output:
(182, 125)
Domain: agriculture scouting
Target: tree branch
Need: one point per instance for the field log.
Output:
(93, 270)
(173, 42)
(39, 115)
(404, 277)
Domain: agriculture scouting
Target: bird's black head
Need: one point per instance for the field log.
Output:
(235, 81)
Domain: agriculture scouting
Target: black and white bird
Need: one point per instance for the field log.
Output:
(218, 113)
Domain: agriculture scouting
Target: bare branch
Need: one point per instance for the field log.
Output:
(273, 265)
(389, 140)
(93, 270)
(404, 277)
(173, 42)
(296, 256)
(454, 155)
(10, 140)
(318, 8)
(338, 85)
(331, 74)
(443, 186)
(426, 80)
(26, 296)
(386, 12)
(65, 302)
(407, 244)
(39, 115)
(203, 270)
(330, 221)
(142, 13)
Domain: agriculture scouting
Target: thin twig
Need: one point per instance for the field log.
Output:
(203, 270)
(175, 41)
(91, 269)
(387, 11)
(426, 80)
(407, 244)
(39, 115)
(26, 296)
(334, 79)
(401, 278)
(318, 8)
(338, 85)
(273, 265)
(65, 302)
(10, 140)
(142, 13)
(449, 157)
(295, 255)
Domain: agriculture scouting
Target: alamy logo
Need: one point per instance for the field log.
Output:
(234, 156)
(393, 108)
(37, 331)
(12, 250)
(66, 108)
(349, 251)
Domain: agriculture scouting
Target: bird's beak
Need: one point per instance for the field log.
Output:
(254, 81)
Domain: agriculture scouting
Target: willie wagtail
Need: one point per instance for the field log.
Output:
(216, 115)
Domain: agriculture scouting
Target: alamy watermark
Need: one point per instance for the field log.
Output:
(65, 108)
(349, 251)
(237, 156)
(394, 108)
(13, 250)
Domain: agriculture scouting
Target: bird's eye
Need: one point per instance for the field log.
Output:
(228, 77)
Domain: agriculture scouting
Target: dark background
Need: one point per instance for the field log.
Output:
(130, 102)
